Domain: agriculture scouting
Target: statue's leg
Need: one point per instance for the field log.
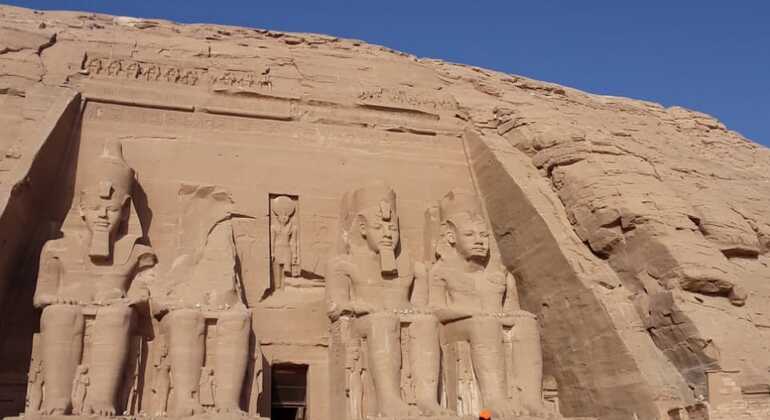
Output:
(426, 364)
(233, 329)
(384, 351)
(108, 358)
(488, 354)
(61, 340)
(185, 329)
(528, 362)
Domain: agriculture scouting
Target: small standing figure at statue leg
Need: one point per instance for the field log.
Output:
(161, 385)
(207, 387)
(80, 389)
(34, 385)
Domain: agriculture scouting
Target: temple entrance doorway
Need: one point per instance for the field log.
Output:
(289, 392)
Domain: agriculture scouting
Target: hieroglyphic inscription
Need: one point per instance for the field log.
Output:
(403, 97)
(130, 69)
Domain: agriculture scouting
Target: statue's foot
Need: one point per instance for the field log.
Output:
(99, 408)
(55, 407)
(187, 409)
(230, 409)
(398, 408)
(432, 408)
(532, 408)
(501, 408)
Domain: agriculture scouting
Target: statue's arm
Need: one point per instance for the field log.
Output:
(420, 289)
(511, 303)
(337, 288)
(438, 298)
(46, 292)
(437, 293)
(144, 275)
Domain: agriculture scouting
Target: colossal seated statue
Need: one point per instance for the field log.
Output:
(369, 286)
(94, 277)
(477, 303)
(204, 324)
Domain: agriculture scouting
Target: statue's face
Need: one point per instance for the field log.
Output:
(102, 215)
(379, 234)
(469, 236)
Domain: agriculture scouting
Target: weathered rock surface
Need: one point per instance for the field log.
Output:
(639, 234)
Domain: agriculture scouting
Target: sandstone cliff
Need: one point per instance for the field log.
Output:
(639, 234)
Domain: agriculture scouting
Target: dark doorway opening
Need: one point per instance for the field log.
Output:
(289, 392)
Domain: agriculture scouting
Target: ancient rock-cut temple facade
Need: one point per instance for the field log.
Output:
(205, 221)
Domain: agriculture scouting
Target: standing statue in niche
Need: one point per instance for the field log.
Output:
(284, 243)
(475, 301)
(202, 298)
(370, 284)
(99, 272)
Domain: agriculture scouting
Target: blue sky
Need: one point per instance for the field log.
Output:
(712, 56)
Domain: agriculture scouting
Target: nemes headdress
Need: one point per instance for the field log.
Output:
(378, 197)
(374, 200)
(110, 175)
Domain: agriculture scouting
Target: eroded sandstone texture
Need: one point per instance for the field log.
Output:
(206, 221)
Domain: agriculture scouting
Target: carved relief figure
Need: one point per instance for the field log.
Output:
(370, 284)
(265, 81)
(114, 68)
(79, 389)
(475, 300)
(94, 66)
(284, 243)
(204, 286)
(161, 386)
(35, 379)
(207, 386)
(100, 272)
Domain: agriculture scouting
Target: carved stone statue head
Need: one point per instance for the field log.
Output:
(104, 199)
(464, 225)
(283, 208)
(373, 222)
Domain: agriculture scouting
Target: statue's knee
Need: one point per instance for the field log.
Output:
(485, 328)
(385, 323)
(424, 326)
(486, 323)
(526, 322)
(234, 320)
(425, 321)
(62, 312)
(61, 316)
(113, 316)
(185, 318)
